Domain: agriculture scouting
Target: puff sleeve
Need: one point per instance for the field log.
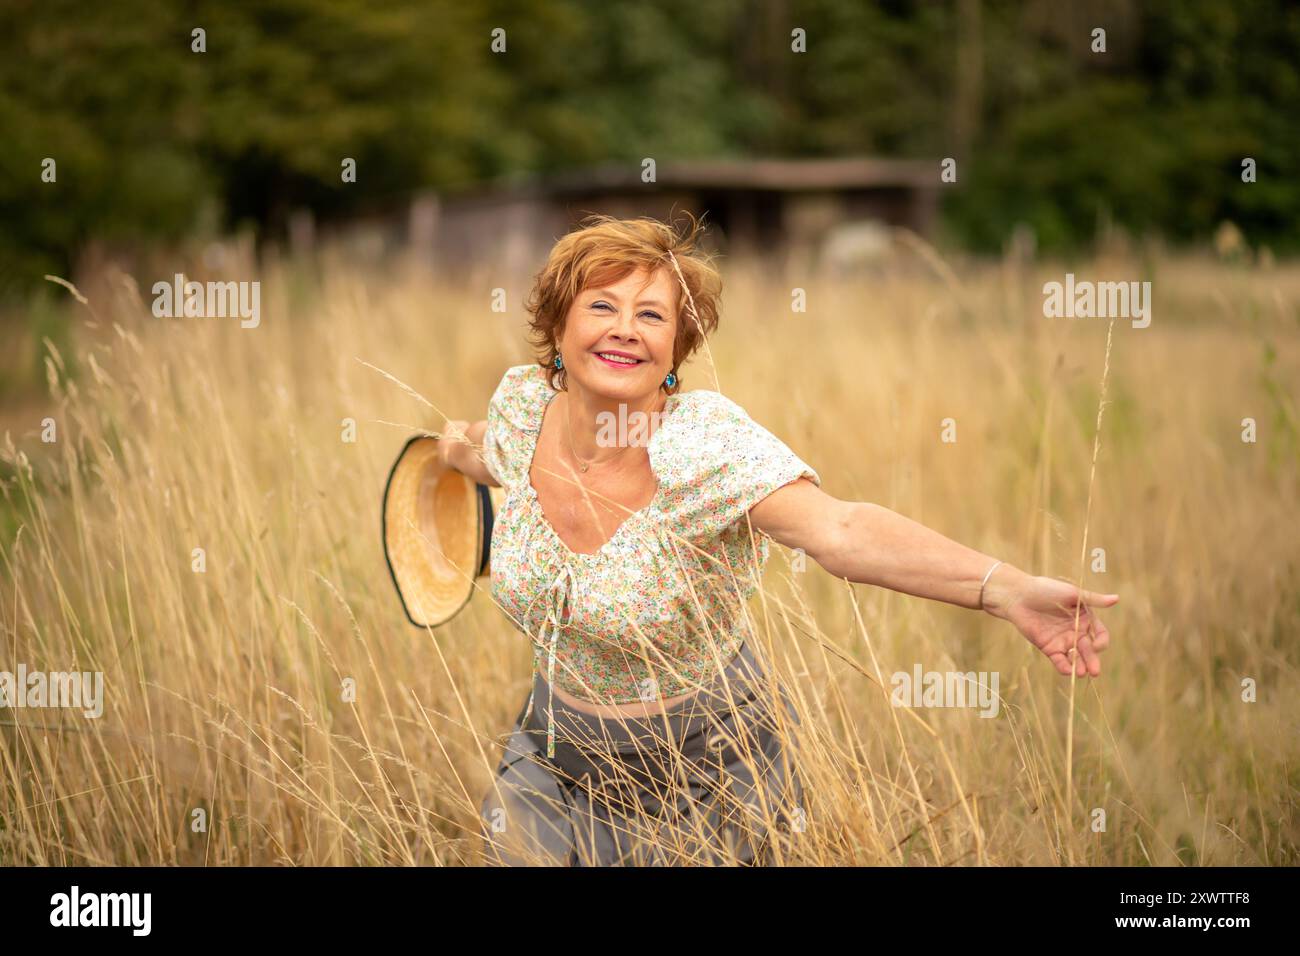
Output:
(714, 463)
(513, 420)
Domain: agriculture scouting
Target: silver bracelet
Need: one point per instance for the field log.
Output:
(986, 581)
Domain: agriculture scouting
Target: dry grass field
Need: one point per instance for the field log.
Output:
(222, 689)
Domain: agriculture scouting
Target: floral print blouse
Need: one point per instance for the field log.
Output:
(658, 610)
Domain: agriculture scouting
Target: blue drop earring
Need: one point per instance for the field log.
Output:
(670, 381)
(559, 362)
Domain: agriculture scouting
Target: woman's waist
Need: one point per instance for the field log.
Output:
(731, 688)
(637, 708)
(719, 680)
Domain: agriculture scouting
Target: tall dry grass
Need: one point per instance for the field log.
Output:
(223, 689)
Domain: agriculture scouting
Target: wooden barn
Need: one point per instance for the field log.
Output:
(807, 211)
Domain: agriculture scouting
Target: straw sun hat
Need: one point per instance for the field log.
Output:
(437, 528)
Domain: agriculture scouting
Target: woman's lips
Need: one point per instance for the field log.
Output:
(619, 365)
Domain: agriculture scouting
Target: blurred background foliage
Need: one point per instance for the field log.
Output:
(155, 142)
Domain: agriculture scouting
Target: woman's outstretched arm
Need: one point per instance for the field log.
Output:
(870, 544)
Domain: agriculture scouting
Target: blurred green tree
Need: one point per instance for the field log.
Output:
(148, 134)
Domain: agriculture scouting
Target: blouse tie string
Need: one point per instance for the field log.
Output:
(560, 595)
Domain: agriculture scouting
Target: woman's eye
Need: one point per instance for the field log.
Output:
(606, 305)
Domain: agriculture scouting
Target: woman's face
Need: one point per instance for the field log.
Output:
(631, 318)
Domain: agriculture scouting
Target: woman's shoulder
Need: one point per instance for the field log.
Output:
(714, 461)
(514, 417)
(709, 423)
(522, 391)
(701, 411)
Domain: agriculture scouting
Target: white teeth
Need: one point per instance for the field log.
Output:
(617, 358)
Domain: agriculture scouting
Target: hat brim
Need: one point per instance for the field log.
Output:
(437, 533)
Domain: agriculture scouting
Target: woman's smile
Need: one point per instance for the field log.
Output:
(619, 360)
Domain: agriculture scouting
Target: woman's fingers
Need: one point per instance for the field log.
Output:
(1100, 636)
(1098, 600)
(1081, 667)
(1082, 647)
(1089, 660)
(1095, 634)
(1060, 662)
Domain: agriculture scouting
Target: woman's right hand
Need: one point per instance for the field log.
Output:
(453, 438)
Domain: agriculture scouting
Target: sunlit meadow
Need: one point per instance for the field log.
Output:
(224, 690)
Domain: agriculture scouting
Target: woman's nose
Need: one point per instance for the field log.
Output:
(624, 325)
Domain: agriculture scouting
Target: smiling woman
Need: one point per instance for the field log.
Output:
(629, 569)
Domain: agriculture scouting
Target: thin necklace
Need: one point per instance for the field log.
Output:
(583, 464)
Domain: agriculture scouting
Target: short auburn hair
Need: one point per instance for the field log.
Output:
(606, 249)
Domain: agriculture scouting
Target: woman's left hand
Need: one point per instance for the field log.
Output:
(452, 437)
(1044, 610)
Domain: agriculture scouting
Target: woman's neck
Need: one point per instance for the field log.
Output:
(591, 420)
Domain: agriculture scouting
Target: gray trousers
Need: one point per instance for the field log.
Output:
(699, 784)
